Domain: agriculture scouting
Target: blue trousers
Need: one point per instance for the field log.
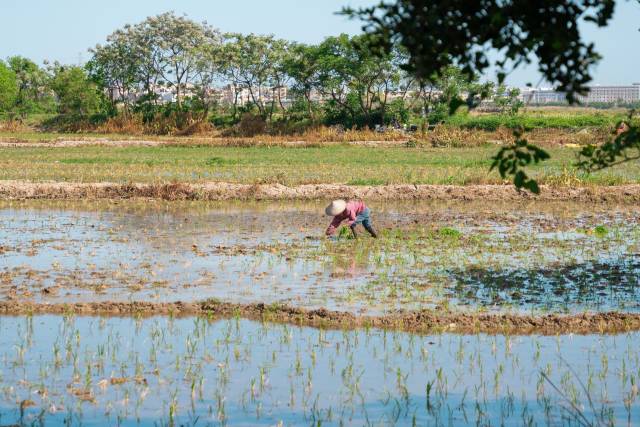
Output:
(363, 218)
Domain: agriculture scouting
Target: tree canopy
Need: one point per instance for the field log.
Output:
(8, 87)
(77, 95)
(440, 33)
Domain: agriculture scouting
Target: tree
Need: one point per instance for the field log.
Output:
(442, 94)
(77, 95)
(249, 64)
(624, 147)
(117, 67)
(210, 68)
(337, 67)
(8, 88)
(176, 42)
(354, 80)
(147, 60)
(163, 50)
(506, 99)
(302, 65)
(33, 94)
(440, 33)
(280, 78)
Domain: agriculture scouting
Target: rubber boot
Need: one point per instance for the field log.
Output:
(371, 231)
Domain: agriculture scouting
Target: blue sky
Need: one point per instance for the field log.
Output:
(63, 30)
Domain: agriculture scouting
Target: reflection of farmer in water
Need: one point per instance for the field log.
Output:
(354, 212)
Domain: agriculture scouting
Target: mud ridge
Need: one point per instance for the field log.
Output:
(213, 142)
(425, 321)
(231, 191)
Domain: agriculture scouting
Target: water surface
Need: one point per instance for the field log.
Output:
(97, 371)
(534, 257)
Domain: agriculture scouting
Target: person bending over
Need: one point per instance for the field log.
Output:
(354, 212)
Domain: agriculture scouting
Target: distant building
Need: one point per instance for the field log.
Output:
(543, 96)
(242, 95)
(597, 94)
(612, 94)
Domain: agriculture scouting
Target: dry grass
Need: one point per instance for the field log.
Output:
(122, 125)
(173, 127)
(191, 126)
(185, 125)
(205, 134)
(329, 134)
(454, 137)
(13, 126)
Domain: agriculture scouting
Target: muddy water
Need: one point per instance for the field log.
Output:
(98, 371)
(538, 256)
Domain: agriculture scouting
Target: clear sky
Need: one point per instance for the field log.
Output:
(63, 30)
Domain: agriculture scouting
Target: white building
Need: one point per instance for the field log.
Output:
(542, 96)
(612, 94)
(597, 94)
(228, 94)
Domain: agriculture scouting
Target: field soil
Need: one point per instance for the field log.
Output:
(231, 142)
(423, 321)
(212, 191)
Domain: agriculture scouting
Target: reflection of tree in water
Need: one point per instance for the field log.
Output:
(598, 285)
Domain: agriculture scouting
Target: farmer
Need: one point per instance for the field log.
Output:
(354, 212)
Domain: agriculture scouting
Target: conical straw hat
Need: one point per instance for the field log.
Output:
(336, 207)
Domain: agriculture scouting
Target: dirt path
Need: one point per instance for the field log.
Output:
(77, 143)
(419, 321)
(231, 191)
(214, 142)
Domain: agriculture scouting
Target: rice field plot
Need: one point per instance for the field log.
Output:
(194, 371)
(539, 257)
(349, 164)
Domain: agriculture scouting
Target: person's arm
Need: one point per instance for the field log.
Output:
(335, 223)
(353, 231)
(351, 218)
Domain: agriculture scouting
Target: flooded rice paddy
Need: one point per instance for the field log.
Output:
(188, 371)
(473, 257)
(533, 257)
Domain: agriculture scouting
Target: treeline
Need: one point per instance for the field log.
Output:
(290, 86)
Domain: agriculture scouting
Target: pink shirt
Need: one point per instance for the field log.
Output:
(354, 207)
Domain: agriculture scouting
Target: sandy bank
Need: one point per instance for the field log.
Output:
(232, 191)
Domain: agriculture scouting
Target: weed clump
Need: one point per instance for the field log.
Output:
(450, 232)
(600, 231)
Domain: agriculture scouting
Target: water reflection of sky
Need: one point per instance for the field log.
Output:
(261, 374)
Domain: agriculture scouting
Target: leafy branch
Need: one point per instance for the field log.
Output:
(511, 161)
(625, 147)
(437, 34)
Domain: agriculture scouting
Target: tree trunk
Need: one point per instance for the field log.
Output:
(307, 95)
(235, 102)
